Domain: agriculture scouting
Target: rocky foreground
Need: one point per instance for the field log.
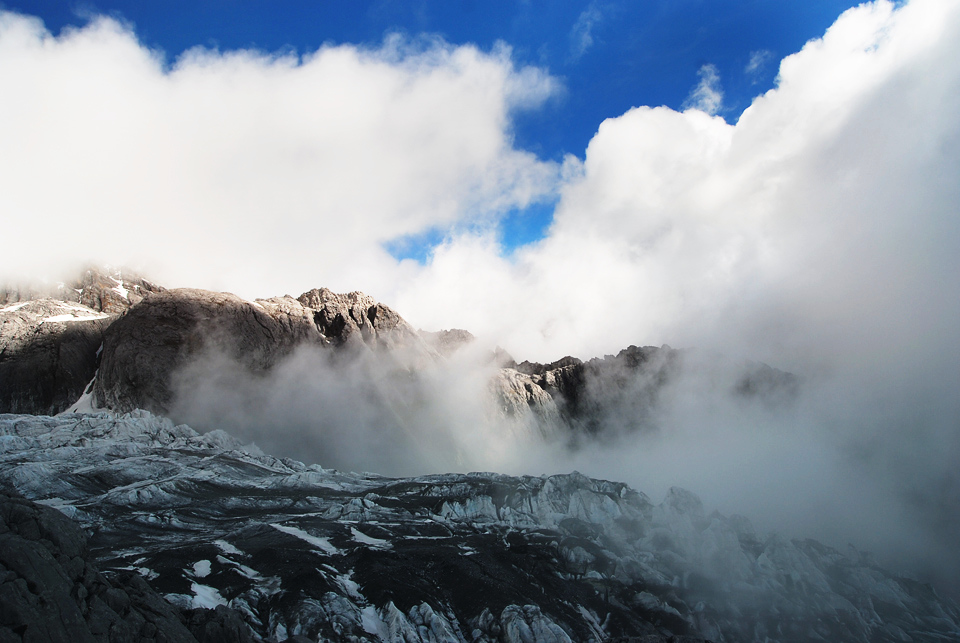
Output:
(241, 544)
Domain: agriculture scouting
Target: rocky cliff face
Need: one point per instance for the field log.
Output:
(50, 337)
(294, 550)
(48, 354)
(623, 393)
(102, 290)
(163, 333)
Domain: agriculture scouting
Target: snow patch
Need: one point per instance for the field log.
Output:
(87, 402)
(320, 543)
(206, 596)
(14, 307)
(72, 317)
(119, 289)
(370, 620)
(376, 543)
(227, 548)
(201, 568)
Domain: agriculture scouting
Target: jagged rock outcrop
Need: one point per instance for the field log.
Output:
(147, 346)
(615, 393)
(622, 393)
(50, 337)
(447, 342)
(296, 550)
(48, 354)
(102, 290)
(356, 317)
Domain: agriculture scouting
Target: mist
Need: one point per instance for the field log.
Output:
(818, 460)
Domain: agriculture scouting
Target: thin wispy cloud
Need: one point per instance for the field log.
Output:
(581, 35)
(707, 96)
(758, 63)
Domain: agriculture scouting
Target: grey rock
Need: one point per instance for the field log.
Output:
(166, 331)
(48, 354)
(50, 335)
(100, 289)
(447, 342)
(46, 596)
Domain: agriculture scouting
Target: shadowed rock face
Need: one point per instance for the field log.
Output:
(622, 393)
(48, 354)
(50, 337)
(145, 347)
(50, 590)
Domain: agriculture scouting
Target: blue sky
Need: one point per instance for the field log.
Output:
(608, 56)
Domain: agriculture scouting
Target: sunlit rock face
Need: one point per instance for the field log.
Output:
(298, 550)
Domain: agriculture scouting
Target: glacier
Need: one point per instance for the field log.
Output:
(298, 550)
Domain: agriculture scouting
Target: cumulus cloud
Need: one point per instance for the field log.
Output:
(275, 168)
(707, 96)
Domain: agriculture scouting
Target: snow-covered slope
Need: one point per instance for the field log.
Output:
(299, 550)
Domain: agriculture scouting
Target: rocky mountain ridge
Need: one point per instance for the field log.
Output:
(150, 334)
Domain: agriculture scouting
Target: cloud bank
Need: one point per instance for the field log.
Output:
(247, 170)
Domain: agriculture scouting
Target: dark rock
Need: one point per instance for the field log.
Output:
(50, 337)
(48, 354)
(46, 596)
(166, 331)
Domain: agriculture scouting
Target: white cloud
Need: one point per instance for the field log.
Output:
(243, 170)
(581, 34)
(758, 62)
(707, 96)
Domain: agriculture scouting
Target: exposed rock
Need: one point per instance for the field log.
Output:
(167, 330)
(49, 591)
(102, 290)
(48, 354)
(517, 397)
(447, 342)
(50, 337)
(356, 317)
(616, 393)
(770, 385)
(622, 393)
